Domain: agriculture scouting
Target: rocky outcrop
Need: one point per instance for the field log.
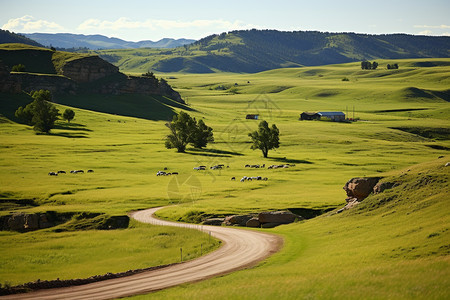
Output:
(88, 69)
(89, 74)
(27, 222)
(262, 220)
(237, 220)
(253, 222)
(24, 222)
(214, 221)
(54, 83)
(359, 188)
(280, 217)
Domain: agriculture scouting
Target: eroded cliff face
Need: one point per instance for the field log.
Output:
(88, 69)
(85, 75)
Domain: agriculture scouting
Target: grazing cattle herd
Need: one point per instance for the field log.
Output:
(72, 172)
(221, 166)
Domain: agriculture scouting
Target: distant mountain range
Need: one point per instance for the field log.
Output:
(259, 50)
(7, 37)
(95, 42)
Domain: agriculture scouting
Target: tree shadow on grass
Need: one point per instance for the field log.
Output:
(80, 135)
(290, 160)
(214, 152)
(72, 126)
(206, 154)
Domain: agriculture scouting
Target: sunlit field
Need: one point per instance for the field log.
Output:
(403, 119)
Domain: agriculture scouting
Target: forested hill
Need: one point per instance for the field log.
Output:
(259, 50)
(7, 37)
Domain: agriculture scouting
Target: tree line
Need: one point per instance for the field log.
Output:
(185, 130)
(367, 65)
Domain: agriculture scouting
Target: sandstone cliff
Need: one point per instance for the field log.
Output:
(80, 75)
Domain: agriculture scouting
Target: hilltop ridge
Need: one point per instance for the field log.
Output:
(251, 51)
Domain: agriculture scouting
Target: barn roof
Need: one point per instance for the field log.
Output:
(331, 113)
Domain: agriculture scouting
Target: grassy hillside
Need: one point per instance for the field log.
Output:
(392, 246)
(252, 51)
(36, 59)
(368, 251)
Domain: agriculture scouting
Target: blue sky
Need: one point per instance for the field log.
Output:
(135, 20)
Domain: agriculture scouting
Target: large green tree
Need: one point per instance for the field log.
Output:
(203, 135)
(265, 138)
(186, 130)
(181, 129)
(40, 113)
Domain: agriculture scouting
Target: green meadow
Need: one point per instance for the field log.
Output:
(386, 249)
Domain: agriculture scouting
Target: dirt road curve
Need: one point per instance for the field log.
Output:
(241, 249)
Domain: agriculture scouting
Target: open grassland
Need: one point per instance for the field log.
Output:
(47, 255)
(392, 246)
(323, 256)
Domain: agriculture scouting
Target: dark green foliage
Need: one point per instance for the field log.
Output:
(25, 113)
(40, 113)
(202, 135)
(367, 65)
(68, 115)
(265, 138)
(18, 68)
(185, 130)
(154, 80)
(181, 129)
(393, 66)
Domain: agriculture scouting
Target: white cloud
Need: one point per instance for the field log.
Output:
(426, 32)
(125, 23)
(27, 24)
(433, 26)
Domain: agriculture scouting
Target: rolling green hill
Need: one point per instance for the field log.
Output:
(258, 50)
(394, 245)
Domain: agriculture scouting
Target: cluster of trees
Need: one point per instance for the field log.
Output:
(41, 114)
(186, 130)
(393, 66)
(367, 65)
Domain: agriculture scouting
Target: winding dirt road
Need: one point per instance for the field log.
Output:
(241, 249)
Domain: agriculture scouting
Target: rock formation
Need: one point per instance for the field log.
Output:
(237, 220)
(88, 69)
(262, 220)
(24, 222)
(281, 217)
(359, 188)
(89, 74)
